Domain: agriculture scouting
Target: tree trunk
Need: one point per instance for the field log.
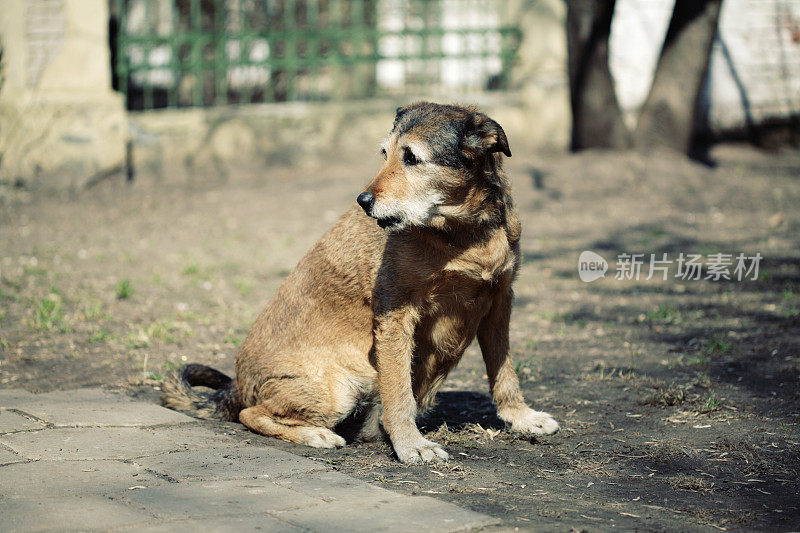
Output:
(667, 117)
(596, 117)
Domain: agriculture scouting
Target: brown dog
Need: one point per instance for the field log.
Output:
(373, 318)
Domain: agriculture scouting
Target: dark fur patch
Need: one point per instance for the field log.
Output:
(456, 136)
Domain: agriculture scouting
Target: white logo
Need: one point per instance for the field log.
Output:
(591, 266)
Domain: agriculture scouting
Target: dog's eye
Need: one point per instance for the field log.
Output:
(383, 153)
(409, 158)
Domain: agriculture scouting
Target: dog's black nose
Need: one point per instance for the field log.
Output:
(365, 200)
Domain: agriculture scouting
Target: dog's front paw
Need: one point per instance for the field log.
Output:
(530, 422)
(419, 450)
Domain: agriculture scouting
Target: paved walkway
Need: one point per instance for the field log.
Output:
(91, 459)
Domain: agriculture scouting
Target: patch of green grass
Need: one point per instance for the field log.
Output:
(136, 339)
(16, 285)
(705, 250)
(232, 337)
(523, 364)
(717, 345)
(702, 379)
(101, 335)
(124, 290)
(244, 288)
(8, 296)
(48, 313)
(166, 368)
(552, 316)
(711, 403)
(93, 310)
(34, 271)
(164, 331)
(158, 280)
(230, 267)
(788, 294)
(653, 234)
(665, 313)
(700, 359)
(529, 369)
(192, 269)
(634, 355)
(764, 276)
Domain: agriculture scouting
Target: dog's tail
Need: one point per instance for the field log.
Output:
(178, 393)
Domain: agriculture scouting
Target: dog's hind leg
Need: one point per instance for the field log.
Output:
(260, 419)
(371, 429)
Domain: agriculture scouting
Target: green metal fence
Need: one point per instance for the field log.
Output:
(177, 53)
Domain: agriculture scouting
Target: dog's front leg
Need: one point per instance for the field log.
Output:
(503, 381)
(394, 344)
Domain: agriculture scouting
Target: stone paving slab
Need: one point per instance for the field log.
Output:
(108, 443)
(214, 498)
(218, 463)
(42, 479)
(224, 524)
(7, 456)
(68, 513)
(95, 408)
(335, 486)
(11, 421)
(8, 397)
(406, 513)
(126, 465)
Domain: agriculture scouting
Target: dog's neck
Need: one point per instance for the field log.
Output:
(486, 207)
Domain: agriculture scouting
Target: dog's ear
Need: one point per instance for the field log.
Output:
(399, 114)
(482, 134)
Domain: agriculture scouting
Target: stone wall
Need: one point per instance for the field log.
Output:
(229, 143)
(61, 125)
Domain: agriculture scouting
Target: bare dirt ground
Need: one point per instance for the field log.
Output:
(679, 400)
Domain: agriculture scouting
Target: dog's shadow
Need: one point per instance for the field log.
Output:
(459, 409)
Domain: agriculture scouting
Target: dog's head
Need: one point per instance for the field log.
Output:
(439, 158)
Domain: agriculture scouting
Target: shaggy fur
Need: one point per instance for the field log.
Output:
(370, 322)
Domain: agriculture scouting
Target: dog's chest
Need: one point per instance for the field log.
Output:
(452, 311)
(486, 262)
(459, 292)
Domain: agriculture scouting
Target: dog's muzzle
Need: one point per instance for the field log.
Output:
(367, 200)
(388, 222)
